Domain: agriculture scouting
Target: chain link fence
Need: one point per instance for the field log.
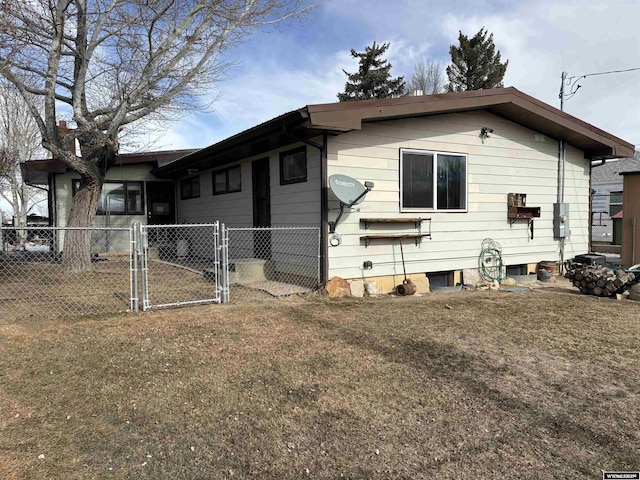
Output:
(153, 266)
(272, 262)
(34, 281)
(180, 265)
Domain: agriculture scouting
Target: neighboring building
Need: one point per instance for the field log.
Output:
(630, 254)
(451, 158)
(607, 199)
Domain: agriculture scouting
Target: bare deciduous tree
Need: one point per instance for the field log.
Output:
(112, 63)
(19, 142)
(427, 77)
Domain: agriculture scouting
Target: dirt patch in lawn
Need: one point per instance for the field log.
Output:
(467, 385)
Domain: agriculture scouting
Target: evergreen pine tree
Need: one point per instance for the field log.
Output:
(373, 79)
(475, 64)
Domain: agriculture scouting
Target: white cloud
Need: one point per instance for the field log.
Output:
(540, 38)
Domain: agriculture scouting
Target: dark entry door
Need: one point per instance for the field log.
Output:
(261, 208)
(160, 203)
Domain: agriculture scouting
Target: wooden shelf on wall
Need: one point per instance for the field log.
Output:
(417, 221)
(515, 213)
(393, 236)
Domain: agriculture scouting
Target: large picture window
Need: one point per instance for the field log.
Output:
(293, 166)
(118, 198)
(432, 181)
(227, 181)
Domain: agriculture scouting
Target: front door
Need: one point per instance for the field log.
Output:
(261, 181)
(160, 203)
(160, 208)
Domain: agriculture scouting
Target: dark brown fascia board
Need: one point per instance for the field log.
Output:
(632, 172)
(340, 117)
(48, 165)
(53, 165)
(552, 121)
(280, 123)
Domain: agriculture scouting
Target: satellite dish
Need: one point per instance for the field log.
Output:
(348, 190)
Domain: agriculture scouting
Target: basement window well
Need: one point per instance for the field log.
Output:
(516, 270)
(440, 279)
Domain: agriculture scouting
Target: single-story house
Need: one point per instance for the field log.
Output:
(630, 254)
(448, 172)
(131, 193)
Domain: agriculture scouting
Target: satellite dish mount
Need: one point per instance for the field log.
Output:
(349, 192)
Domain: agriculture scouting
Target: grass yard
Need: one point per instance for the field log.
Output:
(469, 385)
(43, 289)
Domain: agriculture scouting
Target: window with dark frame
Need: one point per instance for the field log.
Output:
(190, 188)
(228, 180)
(615, 203)
(118, 198)
(293, 166)
(421, 191)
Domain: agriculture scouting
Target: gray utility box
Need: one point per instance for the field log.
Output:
(560, 220)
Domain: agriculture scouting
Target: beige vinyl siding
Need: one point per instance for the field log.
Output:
(513, 159)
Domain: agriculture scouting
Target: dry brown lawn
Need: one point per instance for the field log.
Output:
(469, 385)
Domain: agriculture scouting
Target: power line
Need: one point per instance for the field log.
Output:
(572, 82)
(604, 73)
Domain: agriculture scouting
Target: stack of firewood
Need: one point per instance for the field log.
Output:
(600, 281)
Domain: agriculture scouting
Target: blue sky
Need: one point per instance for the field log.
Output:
(301, 64)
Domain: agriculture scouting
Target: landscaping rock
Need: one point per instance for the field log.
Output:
(471, 276)
(371, 288)
(421, 282)
(337, 288)
(357, 288)
(508, 282)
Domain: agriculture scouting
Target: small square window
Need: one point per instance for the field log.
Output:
(293, 166)
(227, 181)
(190, 188)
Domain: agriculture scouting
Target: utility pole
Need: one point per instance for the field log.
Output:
(562, 146)
(564, 79)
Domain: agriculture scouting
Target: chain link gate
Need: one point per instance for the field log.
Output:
(180, 265)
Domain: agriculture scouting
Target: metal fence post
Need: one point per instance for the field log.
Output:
(133, 266)
(144, 268)
(224, 263)
(216, 259)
